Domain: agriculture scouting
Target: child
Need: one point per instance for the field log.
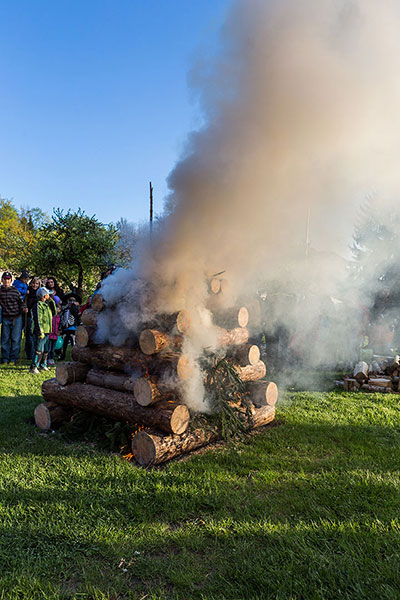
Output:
(42, 315)
(69, 320)
(53, 336)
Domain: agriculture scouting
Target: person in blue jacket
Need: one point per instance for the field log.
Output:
(21, 283)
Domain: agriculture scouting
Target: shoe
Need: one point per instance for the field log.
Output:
(34, 370)
(44, 368)
(51, 363)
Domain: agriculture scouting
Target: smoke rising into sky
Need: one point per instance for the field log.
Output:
(300, 117)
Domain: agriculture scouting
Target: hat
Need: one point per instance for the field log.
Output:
(42, 291)
(24, 274)
(72, 295)
(6, 275)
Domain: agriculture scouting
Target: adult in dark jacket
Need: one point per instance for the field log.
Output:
(70, 320)
(12, 309)
(30, 300)
(21, 283)
(51, 284)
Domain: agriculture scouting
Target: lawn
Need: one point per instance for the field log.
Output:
(308, 508)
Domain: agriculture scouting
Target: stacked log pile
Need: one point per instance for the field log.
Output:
(142, 385)
(382, 375)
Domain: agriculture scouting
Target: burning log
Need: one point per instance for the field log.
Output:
(252, 372)
(152, 341)
(89, 318)
(97, 302)
(149, 390)
(112, 381)
(151, 447)
(169, 417)
(84, 336)
(231, 317)
(234, 337)
(263, 393)
(70, 372)
(248, 354)
(50, 415)
(361, 371)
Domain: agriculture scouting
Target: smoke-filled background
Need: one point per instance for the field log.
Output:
(301, 123)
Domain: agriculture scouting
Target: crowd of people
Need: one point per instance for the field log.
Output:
(47, 316)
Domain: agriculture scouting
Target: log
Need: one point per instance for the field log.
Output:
(263, 393)
(215, 285)
(170, 417)
(151, 447)
(361, 371)
(231, 317)
(152, 341)
(179, 321)
(350, 384)
(234, 337)
(377, 388)
(380, 382)
(98, 303)
(252, 372)
(89, 318)
(50, 415)
(112, 381)
(120, 358)
(149, 390)
(393, 365)
(70, 372)
(248, 354)
(84, 336)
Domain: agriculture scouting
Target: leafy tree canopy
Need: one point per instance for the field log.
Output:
(75, 248)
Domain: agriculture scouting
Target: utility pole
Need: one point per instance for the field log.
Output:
(151, 208)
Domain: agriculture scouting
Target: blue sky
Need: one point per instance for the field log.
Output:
(94, 101)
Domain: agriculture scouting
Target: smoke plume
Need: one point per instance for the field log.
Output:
(301, 120)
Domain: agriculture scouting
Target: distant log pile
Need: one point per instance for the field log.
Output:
(142, 384)
(382, 375)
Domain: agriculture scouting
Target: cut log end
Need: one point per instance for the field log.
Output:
(263, 393)
(243, 317)
(180, 419)
(183, 321)
(147, 342)
(215, 285)
(49, 415)
(143, 391)
(82, 336)
(97, 302)
(144, 448)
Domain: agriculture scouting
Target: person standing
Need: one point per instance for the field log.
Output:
(69, 321)
(54, 289)
(42, 314)
(12, 309)
(30, 299)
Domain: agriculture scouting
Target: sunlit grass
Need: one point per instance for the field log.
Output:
(306, 509)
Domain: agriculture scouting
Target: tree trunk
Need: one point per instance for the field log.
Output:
(152, 341)
(248, 354)
(50, 415)
(89, 318)
(252, 372)
(70, 372)
(234, 337)
(151, 447)
(263, 393)
(149, 390)
(170, 417)
(84, 336)
(112, 381)
(97, 302)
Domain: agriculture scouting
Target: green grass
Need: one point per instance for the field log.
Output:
(306, 509)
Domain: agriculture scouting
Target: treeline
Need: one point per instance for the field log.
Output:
(73, 246)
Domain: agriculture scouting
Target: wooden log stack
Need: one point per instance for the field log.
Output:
(142, 384)
(381, 376)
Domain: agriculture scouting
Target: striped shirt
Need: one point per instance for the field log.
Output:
(11, 302)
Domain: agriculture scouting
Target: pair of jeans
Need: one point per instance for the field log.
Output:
(52, 344)
(41, 351)
(29, 341)
(69, 336)
(11, 333)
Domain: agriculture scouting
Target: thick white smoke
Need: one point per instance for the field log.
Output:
(300, 118)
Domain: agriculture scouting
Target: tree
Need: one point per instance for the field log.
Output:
(16, 238)
(74, 247)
